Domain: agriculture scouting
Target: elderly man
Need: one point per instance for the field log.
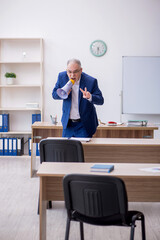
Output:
(79, 118)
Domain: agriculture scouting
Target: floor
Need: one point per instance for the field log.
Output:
(18, 212)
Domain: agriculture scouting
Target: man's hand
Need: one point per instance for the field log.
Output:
(86, 94)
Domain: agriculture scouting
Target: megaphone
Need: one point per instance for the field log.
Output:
(63, 92)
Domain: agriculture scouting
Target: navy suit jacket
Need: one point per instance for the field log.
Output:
(87, 110)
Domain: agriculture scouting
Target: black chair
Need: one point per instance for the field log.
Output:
(60, 150)
(98, 200)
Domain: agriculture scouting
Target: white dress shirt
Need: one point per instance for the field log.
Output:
(74, 112)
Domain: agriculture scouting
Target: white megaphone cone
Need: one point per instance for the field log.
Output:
(63, 92)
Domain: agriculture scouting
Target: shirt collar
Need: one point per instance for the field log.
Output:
(77, 82)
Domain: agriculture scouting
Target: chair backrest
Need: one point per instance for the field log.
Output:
(95, 196)
(61, 150)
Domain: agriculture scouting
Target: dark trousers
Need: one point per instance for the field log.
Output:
(75, 129)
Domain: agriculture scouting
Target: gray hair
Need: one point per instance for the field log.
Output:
(73, 60)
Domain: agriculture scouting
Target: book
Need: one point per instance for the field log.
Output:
(1, 122)
(10, 147)
(102, 168)
(29, 146)
(37, 149)
(6, 147)
(36, 117)
(20, 146)
(5, 122)
(33, 118)
(1, 146)
(14, 146)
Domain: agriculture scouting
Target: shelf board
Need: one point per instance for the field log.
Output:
(28, 38)
(22, 156)
(15, 133)
(20, 62)
(19, 86)
(19, 109)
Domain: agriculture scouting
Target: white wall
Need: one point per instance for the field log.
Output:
(129, 28)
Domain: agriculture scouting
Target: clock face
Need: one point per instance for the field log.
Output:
(98, 48)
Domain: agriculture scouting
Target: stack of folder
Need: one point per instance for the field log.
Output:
(4, 122)
(136, 123)
(11, 146)
(36, 118)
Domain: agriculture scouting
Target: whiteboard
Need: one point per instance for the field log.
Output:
(141, 85)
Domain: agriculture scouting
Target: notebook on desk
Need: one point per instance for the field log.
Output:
(102, 168)
(80, 139)
(135, 123)
(72, 138)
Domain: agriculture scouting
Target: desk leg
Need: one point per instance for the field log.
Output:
(43, 208)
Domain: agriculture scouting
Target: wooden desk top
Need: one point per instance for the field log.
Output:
(123, 141)
(57, 169)
(118, 141)
(48, 125)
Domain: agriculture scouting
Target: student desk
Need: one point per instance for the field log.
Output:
(118, 150)
(42, 130)
(141, 186)
(46, 129)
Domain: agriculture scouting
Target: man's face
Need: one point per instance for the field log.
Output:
(74, 71)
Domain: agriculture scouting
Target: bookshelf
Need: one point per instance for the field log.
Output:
(24, 57)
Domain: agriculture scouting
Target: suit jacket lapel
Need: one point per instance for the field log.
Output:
(82, 86)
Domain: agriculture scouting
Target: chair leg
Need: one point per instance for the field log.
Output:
(132, 231)
(143, 228)
(81, 231)
(38, 207)
(50, 204)
(67, 229)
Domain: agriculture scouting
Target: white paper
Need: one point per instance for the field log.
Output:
(153, 169)
(80, 139)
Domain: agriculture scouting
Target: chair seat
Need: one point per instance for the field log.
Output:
(117, 219)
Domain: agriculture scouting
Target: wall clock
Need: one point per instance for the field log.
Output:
(98, 48)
